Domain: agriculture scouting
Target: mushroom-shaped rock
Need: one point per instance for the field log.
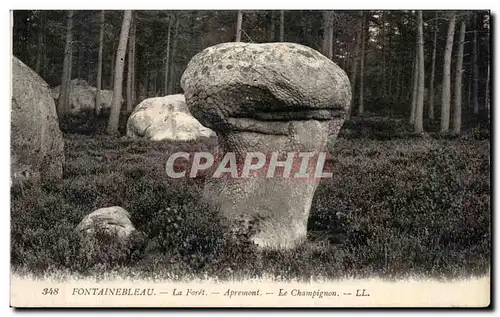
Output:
(275, 99)
(112, 221)
(165, 118)
(37, 145)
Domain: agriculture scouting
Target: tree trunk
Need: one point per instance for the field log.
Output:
(99, 66)
(487, 93)
(384, 78)
(419, 116)
(239, 22)
(112, 73)
(446, 95)
(167, 56)
(433, 72)
(174, 48)
(130, 66)
(272, 31)
(133, 41)
(354, 65)
(475, 72)
(362, 68)
(328, 34)
(116, 102)
(40, 47)
(457, 117)
(415, 88)
(62, 102)
(282, 26)
(79, 60)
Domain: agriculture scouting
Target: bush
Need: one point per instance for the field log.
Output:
(416, 206)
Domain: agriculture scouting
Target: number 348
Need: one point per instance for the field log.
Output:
(50, 291)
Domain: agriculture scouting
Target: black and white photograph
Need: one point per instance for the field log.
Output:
(250, 158)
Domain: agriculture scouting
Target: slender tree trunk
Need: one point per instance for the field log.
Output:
(446, 95)
(112, 73)
(419, 117)
(62, 102)
(487, 93)
(40, 47)
(382, 43)
(132, 42)
(79, 59)
(146, 83)
(272, 31)
(328, 34)
(354, 65)
(282, 26)
(130, 66)
(167, 56)
(362, 68)
(174, 48)
(239, 22)
(116, 102)
(433, 72)
(457, 117)
(99, 66)
(475, 72)
(415, 88)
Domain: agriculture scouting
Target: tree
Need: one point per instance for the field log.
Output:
(328, 34)
(282, 26)
(415, 88)
(419, 127)
(130, 69)
(40, 45)
(118, 80)
(174, 48)
(446, 94)
(167, 55)
(475, 71)
(354, 65)
(99, 65)
(64, 90)
(362, 66)
(239, 22)
(457, 117)
(433, 71)
(271, 30)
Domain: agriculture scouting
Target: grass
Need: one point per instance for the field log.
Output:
(394, 208)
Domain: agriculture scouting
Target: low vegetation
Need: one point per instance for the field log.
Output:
(394, 207)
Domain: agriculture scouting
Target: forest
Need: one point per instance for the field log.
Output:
(411, 186)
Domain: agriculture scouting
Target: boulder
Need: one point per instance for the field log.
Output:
(273, 98)
(37, 145)
(82, 97)
(112, 221)
(165, 118)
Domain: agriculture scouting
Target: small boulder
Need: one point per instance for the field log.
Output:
(113, 221)
(37, 145)
(165, 118)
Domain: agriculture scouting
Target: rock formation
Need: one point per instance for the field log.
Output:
(165, 118)
(267, 98)
(82, 97)
(113, 221)
(37, 145)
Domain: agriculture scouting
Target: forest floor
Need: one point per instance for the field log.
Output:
(394, 208)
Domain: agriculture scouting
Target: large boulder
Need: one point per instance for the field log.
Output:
(82, 97)
(111, 221)
(165, 118)
(273, 99)
(37, 145)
